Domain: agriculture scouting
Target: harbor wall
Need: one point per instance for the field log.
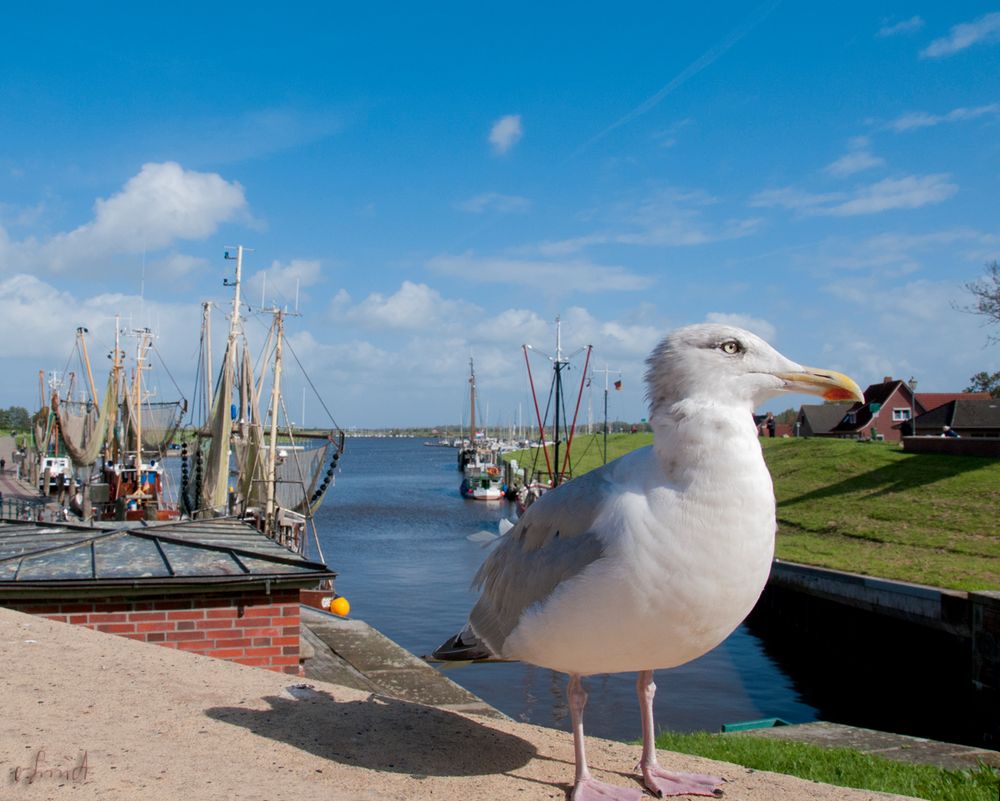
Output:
(920, 641)
(953, 446)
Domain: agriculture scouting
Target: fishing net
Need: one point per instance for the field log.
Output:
(83, 428)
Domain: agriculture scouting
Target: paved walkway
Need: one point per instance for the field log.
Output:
(95, 717)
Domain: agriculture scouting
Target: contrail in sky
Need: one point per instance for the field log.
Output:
(705, 60)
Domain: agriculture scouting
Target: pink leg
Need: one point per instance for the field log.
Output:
(586, 787)
(659, 781)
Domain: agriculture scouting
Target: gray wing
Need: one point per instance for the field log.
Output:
(552, 542)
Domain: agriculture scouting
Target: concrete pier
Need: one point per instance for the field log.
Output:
(970, 617)
(353, 654)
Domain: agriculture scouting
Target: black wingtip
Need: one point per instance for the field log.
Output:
(463, 647)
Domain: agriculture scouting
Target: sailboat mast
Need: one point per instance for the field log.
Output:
(557, 473)
(472, 402)
(272, 457)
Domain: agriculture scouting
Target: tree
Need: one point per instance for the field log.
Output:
(985, 382)
(14, 417)
(986, 291)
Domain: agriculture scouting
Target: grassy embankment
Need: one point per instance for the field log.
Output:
(839, 766)
(869, 508)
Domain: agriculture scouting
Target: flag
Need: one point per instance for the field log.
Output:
(618, 385)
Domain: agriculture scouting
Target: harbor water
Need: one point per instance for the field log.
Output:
(406, 545)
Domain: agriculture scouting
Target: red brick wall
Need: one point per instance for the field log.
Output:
(251, 628)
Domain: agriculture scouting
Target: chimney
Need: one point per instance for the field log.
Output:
(887, 379)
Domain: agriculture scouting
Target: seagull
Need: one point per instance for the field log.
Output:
(655, 558)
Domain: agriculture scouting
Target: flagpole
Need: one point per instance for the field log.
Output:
(607, 372)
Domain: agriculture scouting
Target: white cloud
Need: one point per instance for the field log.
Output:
(858, 158)
(494, 201)
(667, 217)
(412, 307)
(761, 328)
(985, 29)
(279, 283)
(41, 319)
(789, 197)
(906, 26)
(505, 133)
(923, 119)
(178, 265)
(162, 204)
(909, 192)
(578, 275)
(899, 253)
(419, 341)
(899, 317)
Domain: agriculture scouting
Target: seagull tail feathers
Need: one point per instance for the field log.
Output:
(464, 647)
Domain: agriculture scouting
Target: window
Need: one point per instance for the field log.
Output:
(900, 415)
(852, 418)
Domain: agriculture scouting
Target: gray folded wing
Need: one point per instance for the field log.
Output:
(553, 541)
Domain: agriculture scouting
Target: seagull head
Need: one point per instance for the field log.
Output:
(728, 365)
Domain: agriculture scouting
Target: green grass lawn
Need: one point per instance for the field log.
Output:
(839, 766)
(873, 508)
(869, 508)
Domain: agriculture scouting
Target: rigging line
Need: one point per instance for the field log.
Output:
(295, 456)
(166, 369)
(305, 375)
(76, 348)
(542, 434)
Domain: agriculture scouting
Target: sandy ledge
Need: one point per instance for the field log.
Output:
(156, 723)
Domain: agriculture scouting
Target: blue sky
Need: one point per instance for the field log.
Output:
(444, 181)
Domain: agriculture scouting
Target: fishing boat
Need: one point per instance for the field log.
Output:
(557, 470)
(482, 472)
(239, 465)
(483, 481)
(48, 467)
(119, 442)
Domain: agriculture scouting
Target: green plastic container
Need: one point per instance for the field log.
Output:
(747, 725)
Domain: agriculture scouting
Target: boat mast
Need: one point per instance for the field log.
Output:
(234, 318)
(116, 368)
(272, 456)
(206, 328)
(472, 402)
(140, 358)
(86, 363)
(557, 366)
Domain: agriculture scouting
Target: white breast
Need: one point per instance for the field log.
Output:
(686, 559)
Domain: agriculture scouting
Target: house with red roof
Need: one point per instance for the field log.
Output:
(888, 409)
(929, 401)
(965, 416)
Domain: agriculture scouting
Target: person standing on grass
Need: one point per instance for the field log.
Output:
(770, 425)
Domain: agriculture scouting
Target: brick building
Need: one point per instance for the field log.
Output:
(214, 587)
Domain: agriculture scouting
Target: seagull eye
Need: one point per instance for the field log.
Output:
(732, 346)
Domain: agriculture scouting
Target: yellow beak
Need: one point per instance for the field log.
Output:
(830, 385)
